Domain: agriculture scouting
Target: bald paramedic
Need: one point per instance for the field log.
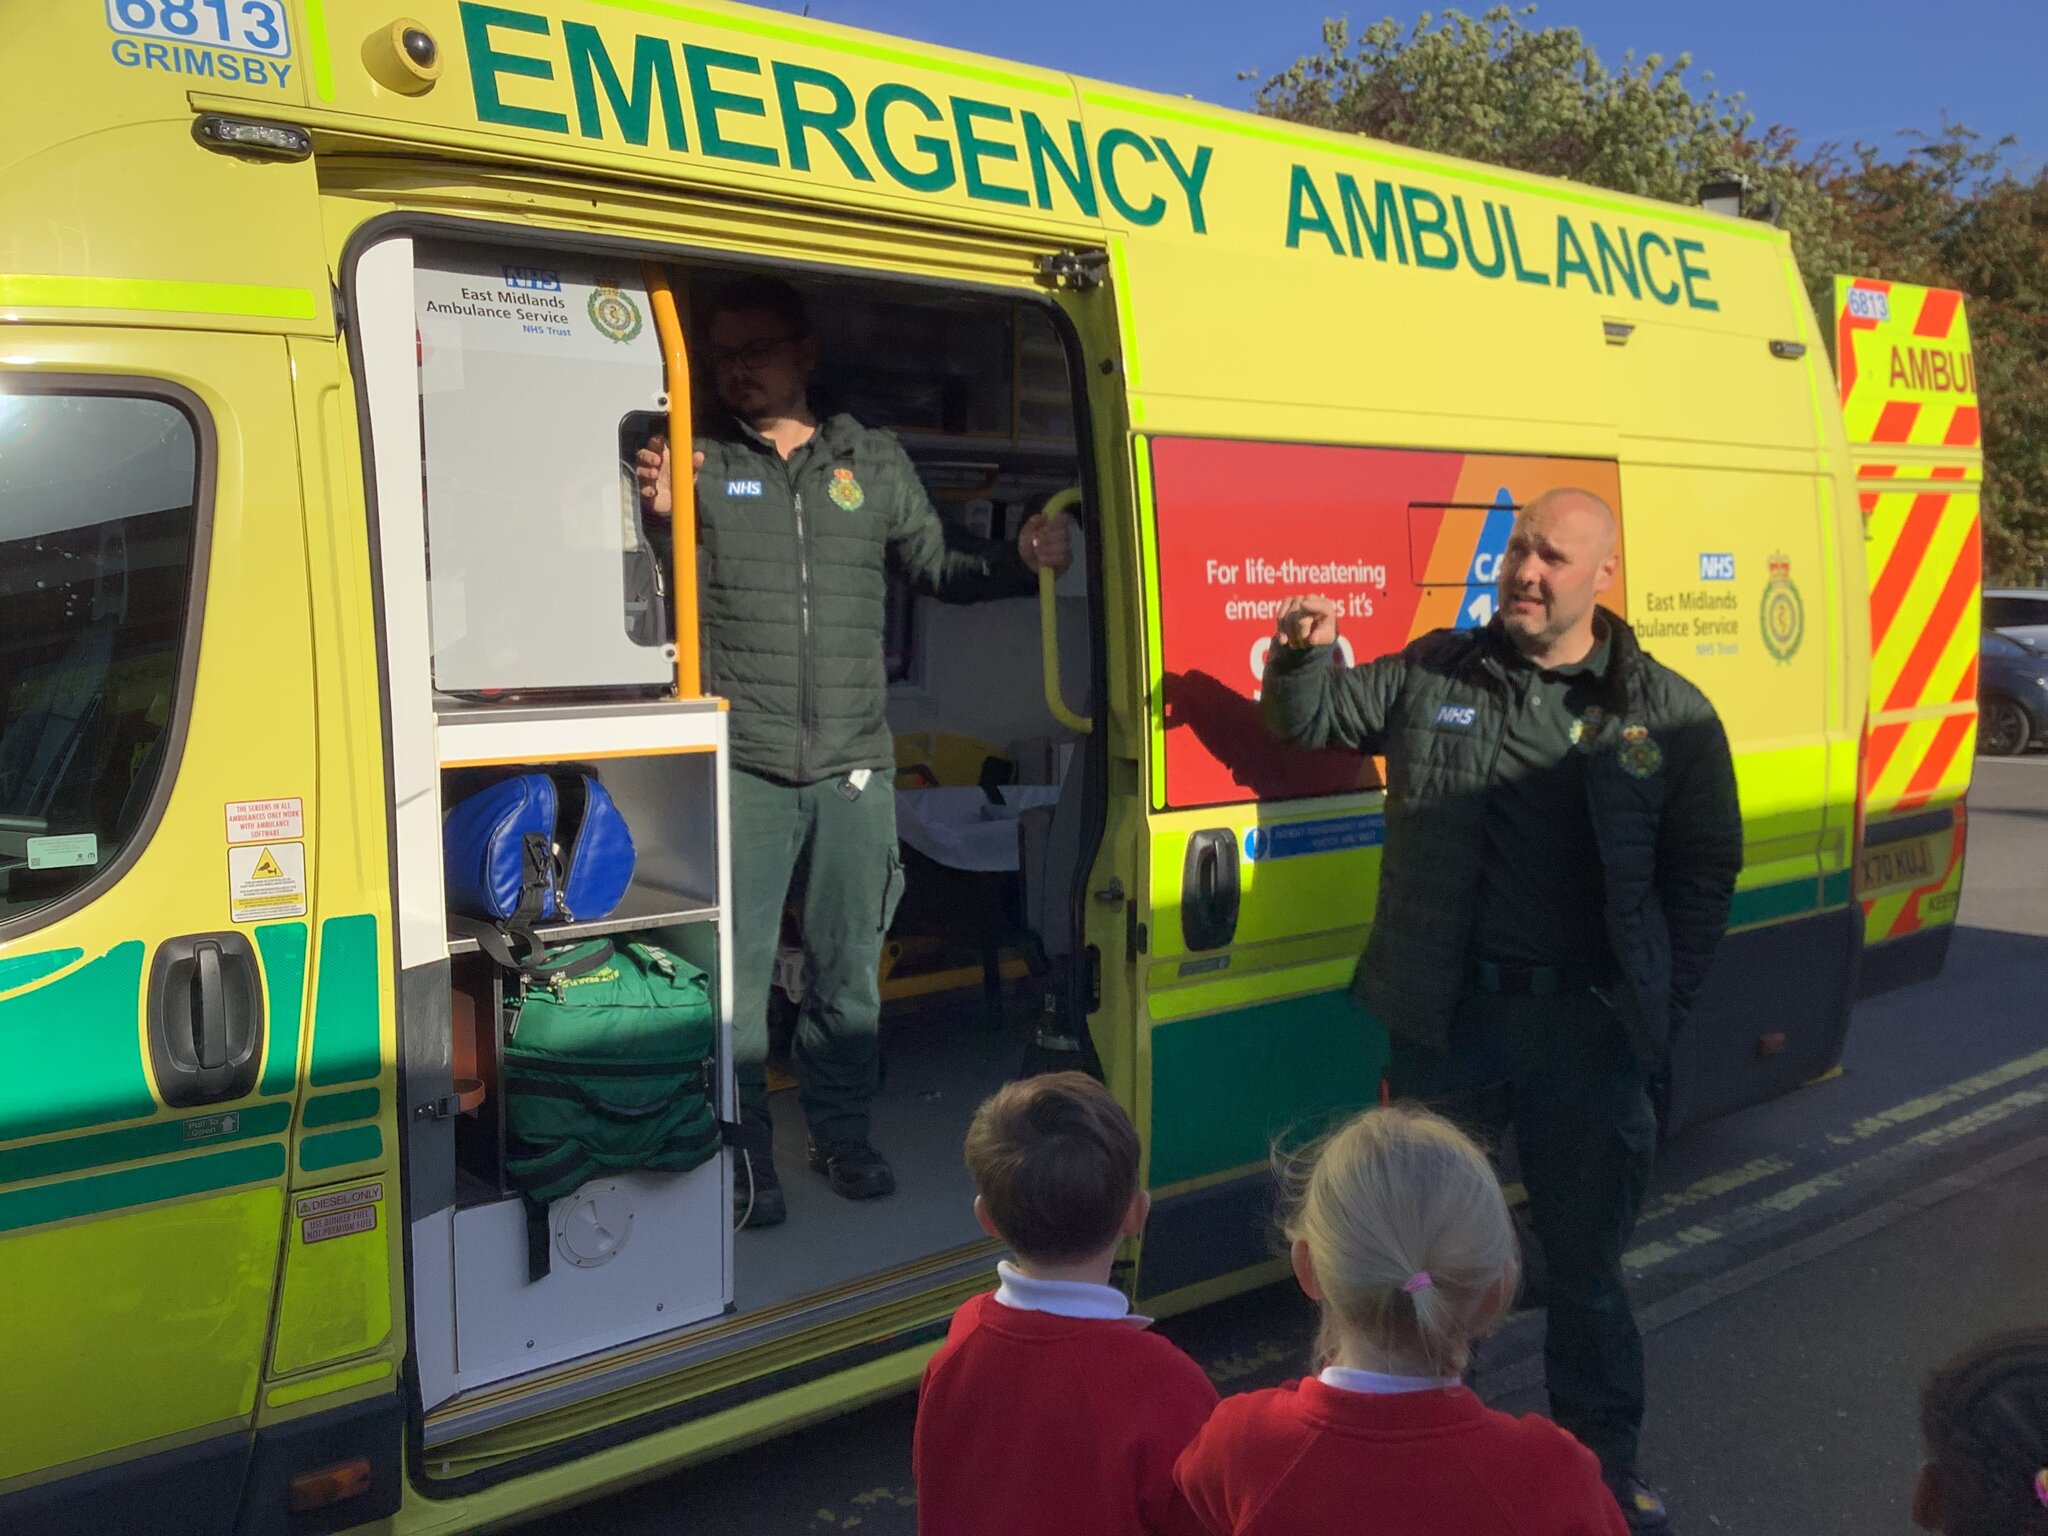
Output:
(1562, 840)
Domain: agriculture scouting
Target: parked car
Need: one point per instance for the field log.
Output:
(2020, 612)
(2012, 694)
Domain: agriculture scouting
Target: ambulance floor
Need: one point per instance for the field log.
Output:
(937, 1067)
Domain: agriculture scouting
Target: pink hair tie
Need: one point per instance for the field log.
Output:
(1420, 1281)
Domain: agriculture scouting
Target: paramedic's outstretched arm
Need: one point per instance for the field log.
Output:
(1307, 701)
(953, 565)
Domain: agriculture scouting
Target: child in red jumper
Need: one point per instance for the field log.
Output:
(1400, 1234)
(1049, 1410)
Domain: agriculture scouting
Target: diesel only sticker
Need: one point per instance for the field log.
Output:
(318, 1229)
(338, 1214)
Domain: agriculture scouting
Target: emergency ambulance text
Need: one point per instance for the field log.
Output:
(1413, 226)
(770, 112)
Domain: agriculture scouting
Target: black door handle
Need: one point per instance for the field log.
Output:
(205, 1019)
(1209, 889)
(209, 1010)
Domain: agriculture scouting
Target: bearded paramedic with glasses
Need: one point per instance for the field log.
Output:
(798, 518)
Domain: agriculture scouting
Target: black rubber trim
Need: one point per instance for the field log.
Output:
(373, 1430)
(1905, 962)
(1877, 834)
(191, 1491)
(1209, 1233)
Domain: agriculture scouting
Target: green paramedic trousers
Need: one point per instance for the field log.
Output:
(839, 847)
(1562, 1070)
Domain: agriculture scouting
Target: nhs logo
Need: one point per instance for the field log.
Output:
(1717, 567)
(743, 488)
(539, 279)
(1457, 717)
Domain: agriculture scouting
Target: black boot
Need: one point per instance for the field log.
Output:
(855, 1169)
(756, 1191)
(1640, 1505)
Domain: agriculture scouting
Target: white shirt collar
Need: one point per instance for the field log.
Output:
(1063, 1298)
(1346, 1379)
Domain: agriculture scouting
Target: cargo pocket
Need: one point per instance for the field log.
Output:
(892, 889)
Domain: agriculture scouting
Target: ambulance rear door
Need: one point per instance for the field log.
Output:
(1909, 402)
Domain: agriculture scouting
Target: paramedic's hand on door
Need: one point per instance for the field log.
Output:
(650, 468)
(1307, 622)
(1047, 543)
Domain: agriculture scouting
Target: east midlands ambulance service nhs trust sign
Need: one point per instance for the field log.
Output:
(644, 91)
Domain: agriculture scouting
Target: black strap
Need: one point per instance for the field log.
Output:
(539, 1257)
(547, 969)
(576, 1093)
(536, 878)
(496, 941)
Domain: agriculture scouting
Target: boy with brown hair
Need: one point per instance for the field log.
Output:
(1050, 1410)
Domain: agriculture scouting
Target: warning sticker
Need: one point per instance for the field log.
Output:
(318, 1229)
(337, 1200)
(266, 821)
(265, 881)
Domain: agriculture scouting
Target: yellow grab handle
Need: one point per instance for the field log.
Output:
(1049, 629)
(682, 480)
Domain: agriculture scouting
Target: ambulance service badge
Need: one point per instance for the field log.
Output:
(1640, 756)
(1784, 613)
(614, 314)
(845, 491)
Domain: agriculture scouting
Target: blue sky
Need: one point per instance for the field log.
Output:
(1833, 69)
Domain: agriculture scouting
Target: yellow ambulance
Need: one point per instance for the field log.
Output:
(326, 332)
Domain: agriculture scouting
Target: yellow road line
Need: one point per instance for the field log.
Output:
(1790, 1198)
(1941, 1098)
(1713, 1186)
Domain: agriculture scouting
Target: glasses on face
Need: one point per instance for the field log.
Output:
(749, 354)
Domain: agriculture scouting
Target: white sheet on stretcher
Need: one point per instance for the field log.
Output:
(960, 829)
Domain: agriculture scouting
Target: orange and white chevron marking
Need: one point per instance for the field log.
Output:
(1909, 403)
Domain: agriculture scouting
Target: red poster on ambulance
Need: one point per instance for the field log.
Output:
(1405, 541)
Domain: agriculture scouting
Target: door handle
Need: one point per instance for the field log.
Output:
(205, 1019)
(1209, 889)
(209, 1010)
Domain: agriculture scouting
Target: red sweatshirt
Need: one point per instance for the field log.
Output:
(1030, 1424)
(1310, 1458)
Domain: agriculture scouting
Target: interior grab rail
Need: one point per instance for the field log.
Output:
(675, 365)
(1049, 629)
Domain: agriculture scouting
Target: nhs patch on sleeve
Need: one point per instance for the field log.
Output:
(1457, 717)
(743, 488)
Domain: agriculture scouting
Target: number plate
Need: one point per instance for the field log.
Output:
(246, 26)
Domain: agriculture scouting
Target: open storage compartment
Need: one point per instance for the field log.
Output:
(629, 1254)
(532, 617)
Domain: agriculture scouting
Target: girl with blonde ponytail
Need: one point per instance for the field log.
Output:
(1399, 1233)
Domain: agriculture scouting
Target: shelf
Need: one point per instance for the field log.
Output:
(644, 906)
(487, 735)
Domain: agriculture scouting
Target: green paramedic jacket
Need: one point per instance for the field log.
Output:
(1662, 799)
(793, 559)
